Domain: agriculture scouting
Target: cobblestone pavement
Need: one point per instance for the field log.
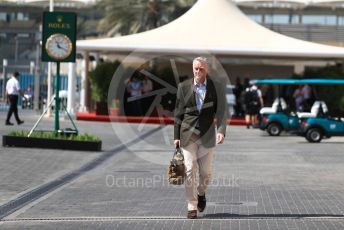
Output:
(259, 182)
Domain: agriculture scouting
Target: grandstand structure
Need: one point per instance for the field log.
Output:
(20, 25)
(319, 21)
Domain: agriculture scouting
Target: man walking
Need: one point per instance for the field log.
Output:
(199, 101)
(253, 103)
(12, 91)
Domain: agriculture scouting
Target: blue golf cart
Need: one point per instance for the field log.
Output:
(315, 128)
(276, 119)
(276, 122)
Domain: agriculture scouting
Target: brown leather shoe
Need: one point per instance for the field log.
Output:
(192, 214)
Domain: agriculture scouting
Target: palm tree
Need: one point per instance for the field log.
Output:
(124, 17)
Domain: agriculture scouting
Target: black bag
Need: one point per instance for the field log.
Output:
(251, 98)
(176, 169)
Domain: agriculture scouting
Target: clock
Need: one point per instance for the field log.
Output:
(58, 46)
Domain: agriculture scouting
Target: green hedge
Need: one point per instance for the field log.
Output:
(51, 135)
(333, 95)
(100, 79)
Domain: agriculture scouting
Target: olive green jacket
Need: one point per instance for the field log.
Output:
(189, 120)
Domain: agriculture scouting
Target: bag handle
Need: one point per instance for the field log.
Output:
(178, 149)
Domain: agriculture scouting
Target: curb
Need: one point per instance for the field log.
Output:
(137, 119)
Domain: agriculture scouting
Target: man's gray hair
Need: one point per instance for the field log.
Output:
(201, 59)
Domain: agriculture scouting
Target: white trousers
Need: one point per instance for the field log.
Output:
(196, 156)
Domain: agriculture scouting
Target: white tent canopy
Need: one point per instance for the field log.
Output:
(218, 27)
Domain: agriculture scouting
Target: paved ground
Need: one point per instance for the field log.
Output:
(259, 182)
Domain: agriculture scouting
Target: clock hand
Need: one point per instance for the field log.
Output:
(62, 48)
(59, 46)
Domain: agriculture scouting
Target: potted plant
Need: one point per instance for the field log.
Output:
(100, 79)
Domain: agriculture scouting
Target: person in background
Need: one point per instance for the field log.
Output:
(307, 97)
(253, 103)
(12, 92)
(298, 97)
(146, 89)
(238, 88)
(28, 94)
(135, 88)
(269, 96)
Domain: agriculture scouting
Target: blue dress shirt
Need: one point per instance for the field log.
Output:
(200, 91)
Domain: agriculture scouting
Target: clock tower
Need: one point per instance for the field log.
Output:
(59, 37)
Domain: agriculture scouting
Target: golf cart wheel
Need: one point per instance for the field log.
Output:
(314, 135)
(274, 129)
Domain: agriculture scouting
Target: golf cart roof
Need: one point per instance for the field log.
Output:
(279, 81)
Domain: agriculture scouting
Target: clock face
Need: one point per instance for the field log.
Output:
(58, 46)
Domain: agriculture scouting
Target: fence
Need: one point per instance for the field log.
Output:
(27, 83)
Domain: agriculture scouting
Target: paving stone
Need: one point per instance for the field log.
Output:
(259, 182)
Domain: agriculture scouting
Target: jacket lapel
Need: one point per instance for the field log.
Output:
(192, 94)
(193, 99)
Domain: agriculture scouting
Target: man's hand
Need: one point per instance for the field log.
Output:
(177, 143)
(219, 138)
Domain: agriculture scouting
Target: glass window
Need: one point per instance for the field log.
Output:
(22, 17)
(277, 19)
(319, 19)
(22, 35)
(256, 17)
(12, 16)
(294, 19)
(3, 16)
(340, 20)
